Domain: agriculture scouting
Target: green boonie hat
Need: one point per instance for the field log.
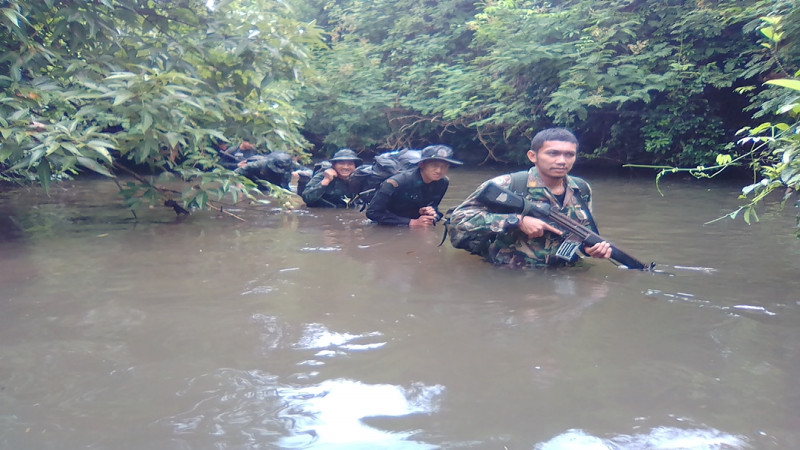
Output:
(345, 154)
(439, 152)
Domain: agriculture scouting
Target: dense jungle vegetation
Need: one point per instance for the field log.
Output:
(140, 86)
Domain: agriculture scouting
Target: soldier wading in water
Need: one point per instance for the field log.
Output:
(411, 198)
(522, 242)
(335, 187)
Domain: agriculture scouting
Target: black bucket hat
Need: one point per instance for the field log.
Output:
(439, 152)
(345, 154)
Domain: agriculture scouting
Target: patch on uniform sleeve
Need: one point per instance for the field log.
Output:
(392, 182)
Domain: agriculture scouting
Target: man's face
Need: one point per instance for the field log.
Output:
(344, 168)
(554, 159)
(433, 170)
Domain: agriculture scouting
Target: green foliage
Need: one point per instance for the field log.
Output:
(638, 81)
(777, 147)
(388, 72)
(772, 149)
(656, 84)
(108, 85)
(338, 105)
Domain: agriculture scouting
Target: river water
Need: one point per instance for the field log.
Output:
(316, 329)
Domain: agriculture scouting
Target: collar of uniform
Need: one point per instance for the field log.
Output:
(535, 180)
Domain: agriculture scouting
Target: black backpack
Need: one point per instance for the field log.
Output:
(384, 166)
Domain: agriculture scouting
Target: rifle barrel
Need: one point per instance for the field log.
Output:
(505, 199)
(590, 238)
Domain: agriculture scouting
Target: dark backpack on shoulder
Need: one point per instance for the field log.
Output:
(321, 167)
(384, 166)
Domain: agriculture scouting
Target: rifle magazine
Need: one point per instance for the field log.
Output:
(567, 249)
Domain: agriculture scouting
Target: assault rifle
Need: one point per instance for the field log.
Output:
(575, 234)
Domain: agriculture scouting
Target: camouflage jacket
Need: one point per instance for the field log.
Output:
(258, 168)
(338, 194)
(473, 227)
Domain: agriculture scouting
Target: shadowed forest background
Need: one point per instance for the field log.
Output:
(152, 86)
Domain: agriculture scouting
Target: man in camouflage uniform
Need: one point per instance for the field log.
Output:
(231, 157)
(526, 242)
(335, 187)
(275, 168)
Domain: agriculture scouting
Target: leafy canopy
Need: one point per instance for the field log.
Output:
(110, 85)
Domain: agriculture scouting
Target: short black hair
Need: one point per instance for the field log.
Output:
(552, 134)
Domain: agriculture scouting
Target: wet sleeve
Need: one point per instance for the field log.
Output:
(314, 189)
(252, 169)
(378, 208)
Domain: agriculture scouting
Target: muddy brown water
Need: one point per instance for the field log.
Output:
(317, 329)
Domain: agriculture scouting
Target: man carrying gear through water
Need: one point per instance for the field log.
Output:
(335, 187)
(523, 241)
(276, 168)
(412, 198)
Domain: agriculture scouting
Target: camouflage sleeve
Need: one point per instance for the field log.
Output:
(314, 189)
(251, 169)
(472, 226)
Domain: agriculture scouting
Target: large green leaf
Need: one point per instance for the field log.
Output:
(44, 173)
(94, 166)
(787, 83)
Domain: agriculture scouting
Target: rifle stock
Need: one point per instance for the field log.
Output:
(505, 200)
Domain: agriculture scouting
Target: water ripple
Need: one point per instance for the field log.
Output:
(237, 406)
(320, 249)
(683, 297)
(658, 438)
(317, 336)
(330, 414)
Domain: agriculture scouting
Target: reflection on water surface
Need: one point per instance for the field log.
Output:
(330, 415)
(658, 438)
(316, 329)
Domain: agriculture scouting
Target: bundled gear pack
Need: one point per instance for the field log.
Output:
(275, 168)
(384, 166)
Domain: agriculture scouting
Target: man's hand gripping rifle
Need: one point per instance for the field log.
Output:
(498, 198)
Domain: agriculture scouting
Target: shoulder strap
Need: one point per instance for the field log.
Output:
(583, 187)
(446, 218)
(519, 181)
(583, 199)
(519, 184)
